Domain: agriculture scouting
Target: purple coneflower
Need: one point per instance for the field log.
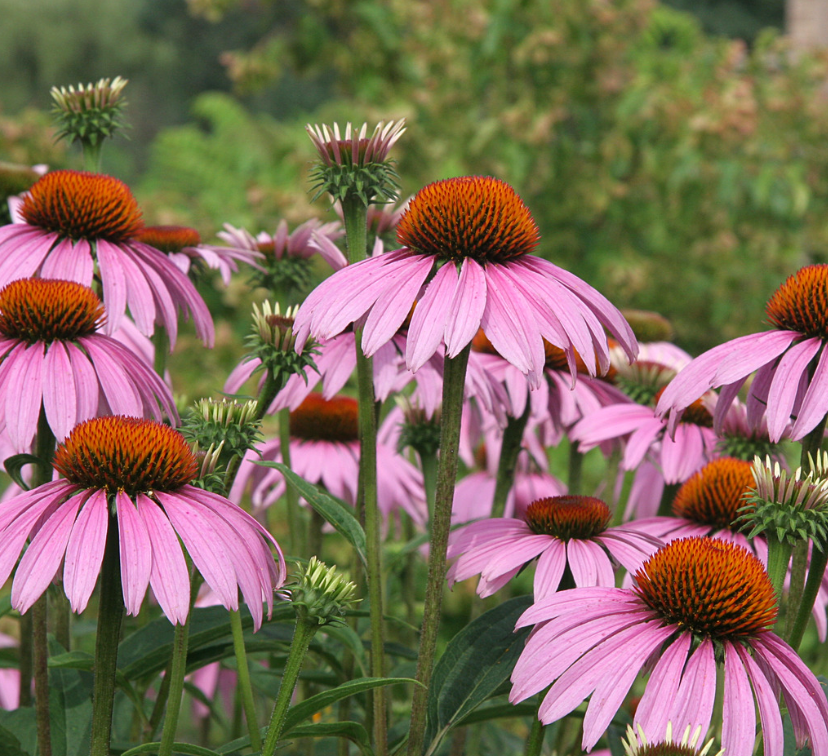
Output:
(78, 226)
(791, 362)
(142, 470)
(53, 355)
(695, 601)
(183, 246)
(563, 531)
(475, 235)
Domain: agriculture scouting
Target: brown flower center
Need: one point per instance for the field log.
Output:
(39, 309)
(696, 414)
(126, 454)
(320, 419)
(169, 239)
(714, 495)
(710, 587)
(566, 517)
(801, 303)
(472, 216)
(82, 205)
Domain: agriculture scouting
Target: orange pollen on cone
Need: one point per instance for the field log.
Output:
(801, 303)
(715, 494)
(81, 205)
(566, 517)
(126, 454)
(471, 216)
(320, 419)
(709, 587)
(44, 310)
(266, 247)
(169, 239)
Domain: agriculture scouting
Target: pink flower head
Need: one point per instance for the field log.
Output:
(134, 476)
(53, 355)
(695, 601)
(183, 246)
(81, 226)
(791, 363)
(644, 432)
(563, 531)
(469, 240)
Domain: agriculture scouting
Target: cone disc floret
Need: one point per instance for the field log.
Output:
(471, 216)
(44, 310)
(710, 587)
(801, 303)
(126, 454)
(565, 517)
(81, 205)
(320, 419)
(169, 239)
(715, 494)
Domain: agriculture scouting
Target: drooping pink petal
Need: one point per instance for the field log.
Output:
(467, 307)
(40, 563)
(589, 564)
(785, 384)
(815, 404)
(136, 553)
(169, 578)
(113, 280)
(773, 733)
(121, 395)
(24, 397)
(739, 714)
(85, 550)
(752, 352)
(87, 388)
(428, 323)
(59, 398)
(549, 569)
(653, 711)
(693, 704)
(69, 261)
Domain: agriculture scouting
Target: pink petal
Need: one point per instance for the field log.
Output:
(59, 398)
(24, 397)
(136, 553)
(589, 564)
(753, 352)
(467, 307)
(69, 261)
(653, 710)
(785, 384)
(550, 569)
(85, 550)
(815, 404)
(428, 323)
(771, 718)
(694, 703)
(739, 714)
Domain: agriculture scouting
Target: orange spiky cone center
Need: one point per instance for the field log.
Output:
(710, 587)
(81, 205)
(473, 216)
(126, 454)
(801, 303)
(565, 517)
(715, 494)
(320, 419)
(39, 309)
(169, 239)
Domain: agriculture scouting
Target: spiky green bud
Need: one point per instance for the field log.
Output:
(322, 595)
(90, 113)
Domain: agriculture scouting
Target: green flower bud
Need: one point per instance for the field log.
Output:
(321, 595)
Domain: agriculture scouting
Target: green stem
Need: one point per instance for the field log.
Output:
(302, 636)
(779, 557)
(61, 613)
(534, 742)
(177, 671)
(576, 465)
(244, 685)
(110, 616)
(161, 342)
(297, 544)
(509, 451)
(151, 727)
(816, 571)
(796, 585)
(355, 215)
(92, 156)
(665, 507)
(428, 462)
(811, 445)
(454, 375)
(26, 656)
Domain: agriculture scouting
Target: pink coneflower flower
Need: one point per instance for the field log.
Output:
(481, 227)
(183, 246)
(142, 469)
(78, 226)
(695, 601)
(53, 355)
(679, 457)
(565, 532)
(791, 362)
(324, 450)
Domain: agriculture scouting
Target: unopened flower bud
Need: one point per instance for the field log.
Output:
(321, 595)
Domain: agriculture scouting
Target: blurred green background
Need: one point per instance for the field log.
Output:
(677, 162)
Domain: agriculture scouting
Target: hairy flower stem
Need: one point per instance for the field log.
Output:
(110, 616)
(177, 670)
(779, 557)
(796, 585)
(244, 687)
(665, 507)
(509, 451)
(576, 464)
(454, 377)
(161, 345)
(26, 655)
(816, 571)
(428, 463)
(44, 450)
(92, 156)
(355, 215)
(302, 637)
(297, 543)
(534, 741)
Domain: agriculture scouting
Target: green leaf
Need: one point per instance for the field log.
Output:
(352, 731)
(14, 466)
(310, 706)
(187, 748)
(148, 650)
(332, 510)
(499, 711)
(476, 662)
(10, 745)
(70, 706)
(21, 724)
